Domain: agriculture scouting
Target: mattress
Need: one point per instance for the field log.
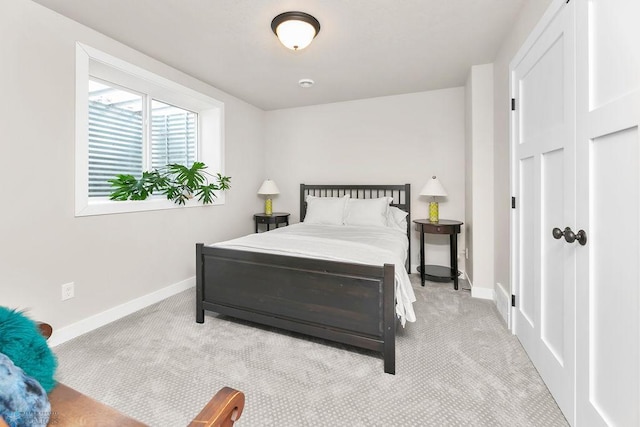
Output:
(360, 245)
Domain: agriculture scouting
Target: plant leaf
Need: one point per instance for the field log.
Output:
(177, 182)
(128, 188)
(206, 193)
(224, 182)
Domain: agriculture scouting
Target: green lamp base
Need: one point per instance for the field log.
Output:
(433, 212)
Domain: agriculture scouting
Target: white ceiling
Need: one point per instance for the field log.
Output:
(365, 48)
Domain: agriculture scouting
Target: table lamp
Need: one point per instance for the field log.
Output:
(268, 188)
(433, 188)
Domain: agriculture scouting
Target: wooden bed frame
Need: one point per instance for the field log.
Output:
(344, 302)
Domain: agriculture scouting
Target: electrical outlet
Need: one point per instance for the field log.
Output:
(68, 291)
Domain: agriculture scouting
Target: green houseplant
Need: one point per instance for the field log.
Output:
(178, 182)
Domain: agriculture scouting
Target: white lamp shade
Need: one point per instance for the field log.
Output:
(433, 188)
(268, 187)
(295, 34)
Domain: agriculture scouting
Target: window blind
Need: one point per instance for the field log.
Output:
(116, 142)
(173, 136)
(115, 145)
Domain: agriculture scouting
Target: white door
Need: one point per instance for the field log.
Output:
(608, 209)
(543, 181)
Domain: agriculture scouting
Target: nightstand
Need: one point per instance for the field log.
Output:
(275, 218)
(438, 273)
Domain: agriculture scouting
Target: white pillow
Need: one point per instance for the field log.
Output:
(325, 210)
(397, 219)
(367, 212)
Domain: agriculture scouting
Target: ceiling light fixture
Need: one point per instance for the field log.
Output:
(295, 30)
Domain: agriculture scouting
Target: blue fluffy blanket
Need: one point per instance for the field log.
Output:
(21, 341)
(23, 401)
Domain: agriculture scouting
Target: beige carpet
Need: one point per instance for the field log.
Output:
(456, 366)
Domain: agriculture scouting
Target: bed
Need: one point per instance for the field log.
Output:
(347, 302)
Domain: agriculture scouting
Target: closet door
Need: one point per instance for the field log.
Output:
(543, 143)
(608, 209)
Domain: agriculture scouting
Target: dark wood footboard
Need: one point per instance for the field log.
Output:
(348, 303)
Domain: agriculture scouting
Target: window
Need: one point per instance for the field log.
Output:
(129, 120)
(115, 136)
(117, 143)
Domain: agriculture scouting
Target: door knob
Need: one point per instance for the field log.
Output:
(557, 233)
(570, 236)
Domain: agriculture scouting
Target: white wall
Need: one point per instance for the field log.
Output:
(388, 140)
(112, 259)
(479, 168)
(531, 13)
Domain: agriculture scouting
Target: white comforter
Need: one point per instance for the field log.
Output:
(362, 245)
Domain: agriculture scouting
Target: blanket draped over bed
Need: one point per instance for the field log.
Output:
(363, 245)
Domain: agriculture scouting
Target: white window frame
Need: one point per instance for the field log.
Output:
(91, 62)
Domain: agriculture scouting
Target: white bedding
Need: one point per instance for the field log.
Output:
(362, 245)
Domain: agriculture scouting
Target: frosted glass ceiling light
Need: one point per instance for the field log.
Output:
(295, 30)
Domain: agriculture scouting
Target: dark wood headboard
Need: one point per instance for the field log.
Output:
(401, 195)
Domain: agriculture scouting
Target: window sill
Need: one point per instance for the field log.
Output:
(109, 207)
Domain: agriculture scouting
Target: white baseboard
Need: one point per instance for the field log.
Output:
(482, 293)
(478, 292)
(93, 322)
(467, 278)
(503, 302)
